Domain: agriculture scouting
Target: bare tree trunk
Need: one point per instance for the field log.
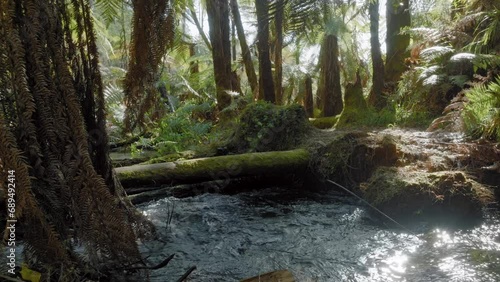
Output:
(266, 83)
(193, 66)
(398, 17)
(376, 98)
(245, 51)
(278, 60)
(308, 97)
(218, 21)
(329, 88)
(194, 17)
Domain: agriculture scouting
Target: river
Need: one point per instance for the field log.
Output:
(317, 236)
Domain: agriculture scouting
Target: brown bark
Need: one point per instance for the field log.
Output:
(218, 20)
(193, 66)
(308, 97)
(266, 83)
(398, 17)
(329, 88)
(376, 98)
(245, 51)
(278, 60)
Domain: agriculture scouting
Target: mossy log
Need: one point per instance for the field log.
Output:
(215, 168)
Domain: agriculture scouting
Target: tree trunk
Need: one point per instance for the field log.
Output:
(278, 60)
(308, 97)
(329, 88)
(65, 189)
(398, 17)
(245, 51)
(376, 98)
(220, 168)
(218, 21)
(266, 83)
(193, 65)
(194, 17)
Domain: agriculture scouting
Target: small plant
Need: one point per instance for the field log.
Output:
(183, 129)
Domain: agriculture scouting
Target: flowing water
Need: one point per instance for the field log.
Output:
(318, 237)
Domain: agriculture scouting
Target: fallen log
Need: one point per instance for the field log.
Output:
(269, 164)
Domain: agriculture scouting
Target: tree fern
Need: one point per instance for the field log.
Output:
(482, 113)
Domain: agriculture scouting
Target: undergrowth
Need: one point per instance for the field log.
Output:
(481, 114)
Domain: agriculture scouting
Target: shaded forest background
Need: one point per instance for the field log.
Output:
(176, 75)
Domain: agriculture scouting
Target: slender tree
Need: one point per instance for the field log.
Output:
(266, 83)
(278, 50)
(376, 97)
(218, 21)
(398, 17)
(245, 51)
(308, 96)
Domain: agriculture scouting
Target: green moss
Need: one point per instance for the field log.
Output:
(324, 123)
(416, 192)
(266, 127)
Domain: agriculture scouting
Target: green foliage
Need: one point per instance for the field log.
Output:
(482, 114)
(266, 127)
(409, 109)
(184, 129)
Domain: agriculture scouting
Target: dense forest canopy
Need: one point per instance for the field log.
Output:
(188, 74)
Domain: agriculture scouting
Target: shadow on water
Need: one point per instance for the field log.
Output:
(317, 236)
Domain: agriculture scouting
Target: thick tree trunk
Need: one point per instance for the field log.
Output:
(266, 83)
(376, 98)
(218, 20)
(398, 17)
(214, 169)
(245, 51)
(278, 60)
(329, 88)
(308, 97)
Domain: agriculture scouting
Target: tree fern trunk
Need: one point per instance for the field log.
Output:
(398, 17)
(308, 97)
(266, 83)
(375, 98)
(218, 21)
(329, 88)
(278, 60)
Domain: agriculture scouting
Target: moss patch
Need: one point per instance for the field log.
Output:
(399, 192)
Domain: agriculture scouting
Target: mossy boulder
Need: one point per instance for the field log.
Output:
(399, 192)
(353, 156)
(266, 127)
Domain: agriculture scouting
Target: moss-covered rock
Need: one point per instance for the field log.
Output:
(353, 156)
(266, 127)
(400, 192)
